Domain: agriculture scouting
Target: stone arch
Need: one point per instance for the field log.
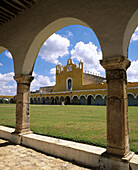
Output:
(41, 37)
(90, 99)
(67, 100)
(43, 100)
(130, 28)
(131, 99)
(57, 100)
(47, 100)
(83, 100)
(99, 99)
(75, 100)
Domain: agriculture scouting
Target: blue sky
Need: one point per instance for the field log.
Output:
(77, 42)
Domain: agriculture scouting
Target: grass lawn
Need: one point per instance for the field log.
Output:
(86, 124)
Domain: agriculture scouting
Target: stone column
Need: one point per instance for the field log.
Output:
(22, 103)
(117, 105)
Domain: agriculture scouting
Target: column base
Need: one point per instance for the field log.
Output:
(23, 132)
(16, 136)
(125, 158)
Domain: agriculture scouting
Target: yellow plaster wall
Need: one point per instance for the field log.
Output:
(76, 74)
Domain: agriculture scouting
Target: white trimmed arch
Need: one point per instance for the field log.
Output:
(89, 95)
(99, 95)
(82, 95)
(42, 36)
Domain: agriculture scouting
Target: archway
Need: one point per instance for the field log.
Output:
(47, 100)
(75, 100)
(52, 100)
(67, 100)
(31, 100)
(83, 100)
(90, 100)
(99, 100)
(131, 100)
(38, 100)
(57, 101)
(35, 100)
(62, 100)
(43, 100)
(105, 100)
(137, 100)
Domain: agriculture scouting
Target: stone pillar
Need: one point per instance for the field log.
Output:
(22, 103)
(117, 105)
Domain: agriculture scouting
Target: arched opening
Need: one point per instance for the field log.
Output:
(57, 101)
(75, 100)
(90, 100)
(38, 100)
(52, 100)
(137, 100)
(67, 100)
(12, 100)
(43, 100)
(31, 100)
(47, 100)
(83, 100)
(7, 88)
(62, 100)
(105, 100)
(69, 84)
(99, 100)
(35, 100)
(131, 100)
(1, 100)
(131, 37)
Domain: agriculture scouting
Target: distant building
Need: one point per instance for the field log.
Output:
(73, 86)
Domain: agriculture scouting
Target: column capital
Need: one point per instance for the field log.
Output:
(112, 63)
(24, 79)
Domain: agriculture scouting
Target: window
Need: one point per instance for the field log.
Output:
(69, 84)
(71, 68)
(67, 68)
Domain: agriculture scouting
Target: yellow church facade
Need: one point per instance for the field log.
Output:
(73, 86)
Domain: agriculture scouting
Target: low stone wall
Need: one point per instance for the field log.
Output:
(82, 154)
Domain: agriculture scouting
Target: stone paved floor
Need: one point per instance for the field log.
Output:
(16, 157)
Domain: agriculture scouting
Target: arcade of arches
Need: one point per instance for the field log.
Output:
(112, 21)
(73, 86)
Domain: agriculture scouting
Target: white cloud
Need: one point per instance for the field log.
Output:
(41, 81)
(54, 47)
(7, 84)
(132, 72)
(8, 54)
(135, 35)
(53, 71)
(1, 64)
(90, 55)
(70, 34)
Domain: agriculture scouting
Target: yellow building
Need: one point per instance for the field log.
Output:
(73, 86)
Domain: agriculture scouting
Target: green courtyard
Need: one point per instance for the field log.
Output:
(85, 124)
